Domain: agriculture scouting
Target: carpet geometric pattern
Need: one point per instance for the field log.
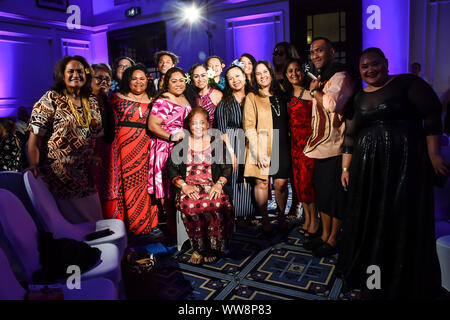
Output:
(257, 268)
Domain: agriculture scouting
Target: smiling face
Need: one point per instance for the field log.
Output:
(176, 84)
(198, 125)
(262, 75)
(74, 75)
(216, 66)
(200, 77)
(165, 63)
(294, 73)
(138, 82)
(236, 79)
(321, 54)
(248, 65)
(123, 65)
(373, 69)
(101, 82)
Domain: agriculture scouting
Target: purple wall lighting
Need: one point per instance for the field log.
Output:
(386, 26)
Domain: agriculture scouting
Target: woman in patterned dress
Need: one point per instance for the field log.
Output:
(300, 113)
(166, 123)
(63, 127)
(10, 152)
(209, 94)
(203, 191)
(131, 202)
(229, 122)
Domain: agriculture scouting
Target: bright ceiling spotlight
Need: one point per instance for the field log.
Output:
(192, 13)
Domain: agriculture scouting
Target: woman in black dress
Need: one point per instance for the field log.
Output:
(390, 139)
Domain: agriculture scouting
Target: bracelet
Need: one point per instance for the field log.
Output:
(220, 182)
(313, 92)
(170, 137)
(344, 169)
(183, 184)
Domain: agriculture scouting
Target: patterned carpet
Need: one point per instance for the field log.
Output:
(257, 268)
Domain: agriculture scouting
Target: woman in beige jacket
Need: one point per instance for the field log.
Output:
(265, 121)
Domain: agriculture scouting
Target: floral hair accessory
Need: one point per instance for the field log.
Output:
(211, 73)
(187, 78)
(238, 63)
(87, 70)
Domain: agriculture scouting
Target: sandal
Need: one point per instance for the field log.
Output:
(210, 257)
(196, 258)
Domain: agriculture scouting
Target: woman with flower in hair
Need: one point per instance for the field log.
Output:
(166, 122)
(63, 127)
(208, 94)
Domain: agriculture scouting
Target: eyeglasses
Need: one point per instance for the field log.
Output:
(278, 53)
(101, 79)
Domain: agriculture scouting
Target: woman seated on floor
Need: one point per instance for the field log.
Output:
(200, 168)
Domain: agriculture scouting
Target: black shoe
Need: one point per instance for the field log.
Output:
(325, 250)
(314, 243)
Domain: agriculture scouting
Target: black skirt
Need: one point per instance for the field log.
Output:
(330, 194)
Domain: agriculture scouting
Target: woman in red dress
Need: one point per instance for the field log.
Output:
(130, 153)
(300, 107)
(203, 192)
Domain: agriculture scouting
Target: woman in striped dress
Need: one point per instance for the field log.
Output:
(209, 94)
(229, 122)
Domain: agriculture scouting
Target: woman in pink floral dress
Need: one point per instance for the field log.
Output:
(166, 123)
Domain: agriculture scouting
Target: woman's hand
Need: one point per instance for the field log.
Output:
(440, 165)
(263, 162)
(235, 161)
(345, 178)
(191, 191)
(34, 170)
(177, 136)
(215, 192)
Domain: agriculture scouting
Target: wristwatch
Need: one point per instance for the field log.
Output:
(220, 182)
(313, 92)
(183, 184)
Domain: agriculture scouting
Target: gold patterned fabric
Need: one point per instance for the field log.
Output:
(67, 148)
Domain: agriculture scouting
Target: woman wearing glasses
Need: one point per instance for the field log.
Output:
(100, 85)
(283, 51)
(119, 67)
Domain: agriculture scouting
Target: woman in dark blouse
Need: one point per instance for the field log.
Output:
(198, 168)
(390, 138)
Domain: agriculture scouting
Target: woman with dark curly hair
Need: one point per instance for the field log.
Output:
(130, 201)
(63, 127)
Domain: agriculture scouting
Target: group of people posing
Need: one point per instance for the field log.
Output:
(208, 143)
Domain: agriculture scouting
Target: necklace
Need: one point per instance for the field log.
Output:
(278, 109)
(300, 96)
(86, 111)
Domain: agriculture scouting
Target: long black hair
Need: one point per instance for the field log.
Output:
(275, 88)
(288, 88)
(126, 78)
(189, 93)
(227, 98)
(59, 84)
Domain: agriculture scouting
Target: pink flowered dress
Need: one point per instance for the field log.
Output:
(206, 103)
(173, 116)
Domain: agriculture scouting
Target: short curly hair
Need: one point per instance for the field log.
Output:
(173, 56)
(126, 78)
